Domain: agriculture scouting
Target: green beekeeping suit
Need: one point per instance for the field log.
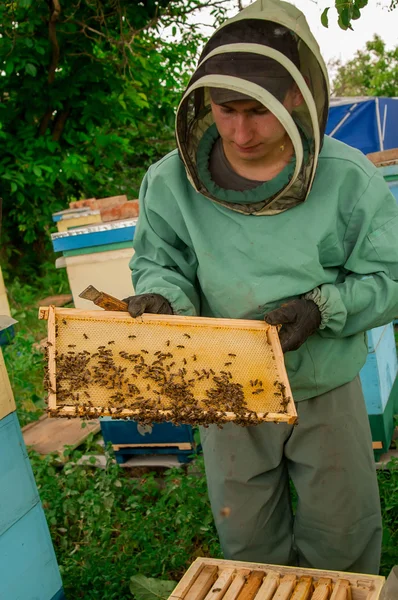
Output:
(325, 229)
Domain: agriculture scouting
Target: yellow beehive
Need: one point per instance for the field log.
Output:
(158, 367)
(216, 579)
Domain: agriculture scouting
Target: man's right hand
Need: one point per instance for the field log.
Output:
(148, 303)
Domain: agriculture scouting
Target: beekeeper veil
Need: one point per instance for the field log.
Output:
(258, 54)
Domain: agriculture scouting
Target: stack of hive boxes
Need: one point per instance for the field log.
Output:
(95, 237)
(378, 376)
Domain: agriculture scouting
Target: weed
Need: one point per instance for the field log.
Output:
(107, 527)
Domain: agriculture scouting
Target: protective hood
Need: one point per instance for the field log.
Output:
(273, 32)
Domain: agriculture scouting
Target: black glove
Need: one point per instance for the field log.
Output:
(299, 320)
(148, 303)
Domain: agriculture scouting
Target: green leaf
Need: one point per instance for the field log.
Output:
(25, 3)
(37, 171)
(9, 67)
(356, 13)
(14, 187)
(361, 3)
(344, 18)
(325, 18)
(30, 69)
(174, 30)
(147, 588)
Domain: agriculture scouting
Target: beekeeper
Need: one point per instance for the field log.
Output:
(259, 214)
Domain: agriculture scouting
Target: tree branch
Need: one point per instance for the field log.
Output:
(52, 34)
(45, 121)
(59, 123)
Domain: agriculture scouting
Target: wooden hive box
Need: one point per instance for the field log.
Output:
(216, 579)
(165, 368)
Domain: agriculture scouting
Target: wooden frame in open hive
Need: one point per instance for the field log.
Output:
(165, 368)
(217, 579)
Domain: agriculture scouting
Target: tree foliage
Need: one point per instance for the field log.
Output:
(371, 72)
(88, 90)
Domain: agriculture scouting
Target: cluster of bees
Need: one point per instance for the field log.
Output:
(154, 387)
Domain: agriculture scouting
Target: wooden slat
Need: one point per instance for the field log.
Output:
(323, 589)
(286, 587)
(342, 590)
(203, 583)
(237, 584)
(377, 445)
(44, 313)
(52, 396)
(186, 582)
(280, 360)
(52, 435)
(221, 584)
(252, 585)
(384, 156)
(180, 446)
(303, 589)
(268, 586)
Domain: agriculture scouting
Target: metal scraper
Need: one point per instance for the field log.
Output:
(102, 299)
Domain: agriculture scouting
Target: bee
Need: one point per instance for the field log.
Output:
(63, 321)
(87, 394)
(227, 364)
(194, 357)
(172, 364)
(85, 336)
(145, 351)
(148, 387)
(259, 391)
(167, 342)
(71, 345)
(111, 342)
(184, 360)
(180, 346)
(233, 355)
(187, 336)
(132, 337)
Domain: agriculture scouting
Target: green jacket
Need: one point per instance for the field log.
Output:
(340, 247)
(326, 230)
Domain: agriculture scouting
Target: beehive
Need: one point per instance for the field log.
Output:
(212, 579)
(165, 368)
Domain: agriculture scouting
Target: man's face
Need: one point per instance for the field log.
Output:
(250, 130)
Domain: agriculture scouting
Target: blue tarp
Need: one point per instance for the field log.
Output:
(369, 124)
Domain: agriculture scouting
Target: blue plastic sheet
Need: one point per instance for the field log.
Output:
(369, 124)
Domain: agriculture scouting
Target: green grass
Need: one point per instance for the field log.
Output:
(106, 526)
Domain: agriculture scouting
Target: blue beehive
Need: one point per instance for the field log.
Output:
(130, 439)
(378, 377)
(390, 174)
(29, 569)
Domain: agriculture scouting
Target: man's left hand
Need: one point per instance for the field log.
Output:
(299, 319)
